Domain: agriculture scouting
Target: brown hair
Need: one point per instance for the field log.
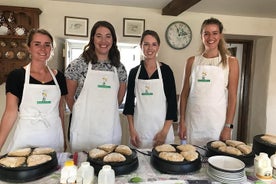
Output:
(152, 33)
(89, 50)
(32, 32)
(222, 43)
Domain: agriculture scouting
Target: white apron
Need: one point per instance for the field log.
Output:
(39, 123)
(206, 107)
(150, 110)
(95, 116)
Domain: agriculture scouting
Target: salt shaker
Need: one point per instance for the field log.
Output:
(106, 175)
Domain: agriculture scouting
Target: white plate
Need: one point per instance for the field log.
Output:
(233, 175)
(226, 163)
(226, 180)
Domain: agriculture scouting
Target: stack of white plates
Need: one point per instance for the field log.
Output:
(226, 169)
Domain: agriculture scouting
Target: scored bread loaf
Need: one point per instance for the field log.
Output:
(165, 147)
(114, 157)
(12, 161)
(171, 156)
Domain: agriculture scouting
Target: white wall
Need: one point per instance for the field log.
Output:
(52, 19)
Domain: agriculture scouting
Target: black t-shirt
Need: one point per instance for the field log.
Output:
(169, 89)
(16, 79)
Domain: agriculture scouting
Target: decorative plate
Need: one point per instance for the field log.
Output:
(3, 44)
(14, 44)
(4, 30)
(19, 31)
(9, 54)
(21, 55)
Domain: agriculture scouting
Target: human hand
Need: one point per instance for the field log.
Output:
(182, 131)
(134, 139)
(159, 138)
(225, 134)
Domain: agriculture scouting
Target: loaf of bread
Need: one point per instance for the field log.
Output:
(189, 155)
(108, 147)
(39, 151)
(123, 149)
(165, 147)
(233, 143)
(12, 161)
(245, 149)
(269, 138)
(114, 157)
(186, 147)
(97, 153)
(20, 152)
(217, 144)
(171, 156)
(230, 150)
(34, 160)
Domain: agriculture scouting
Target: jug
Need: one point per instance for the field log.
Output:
(263, 168)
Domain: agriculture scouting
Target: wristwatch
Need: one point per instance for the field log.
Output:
(229, 125)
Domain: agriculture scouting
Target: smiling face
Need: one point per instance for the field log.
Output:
(150, 47)
(103, 42)
(40, 47)
(211, 36)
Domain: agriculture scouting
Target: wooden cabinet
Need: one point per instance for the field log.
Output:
(15, 22)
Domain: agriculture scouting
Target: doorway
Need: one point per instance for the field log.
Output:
(245, 59)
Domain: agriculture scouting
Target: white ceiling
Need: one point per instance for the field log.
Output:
(250, 8)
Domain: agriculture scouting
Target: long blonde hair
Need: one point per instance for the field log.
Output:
(222, 43)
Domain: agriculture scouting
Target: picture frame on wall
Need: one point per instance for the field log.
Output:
(75, 26)
(133, 27)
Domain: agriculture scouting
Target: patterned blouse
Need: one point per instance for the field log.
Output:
(77, 71)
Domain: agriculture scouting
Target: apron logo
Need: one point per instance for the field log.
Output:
(44, 100)
(103, 85)
(147, 91)
(203, 78)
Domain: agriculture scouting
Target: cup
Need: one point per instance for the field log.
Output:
(74, 180)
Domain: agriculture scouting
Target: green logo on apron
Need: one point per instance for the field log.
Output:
(147, 91)
(203, 78)
(44, 96)
(103, 85)
(43, 102)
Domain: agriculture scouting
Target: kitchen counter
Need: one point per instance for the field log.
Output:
(144, 171)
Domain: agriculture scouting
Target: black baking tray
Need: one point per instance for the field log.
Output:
(120, 168)
(25, 174)
(259, 145)
(170, 167)
(247, 159)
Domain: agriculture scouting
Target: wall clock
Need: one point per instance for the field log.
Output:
(178, 35)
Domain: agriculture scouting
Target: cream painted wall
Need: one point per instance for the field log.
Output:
(52, 19)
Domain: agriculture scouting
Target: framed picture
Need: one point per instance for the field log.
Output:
(133, 27)
(75, 26)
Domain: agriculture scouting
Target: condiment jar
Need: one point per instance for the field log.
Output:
(263, 168)
(86, 171)
(273, 164)
(68, 170)
(106, 175)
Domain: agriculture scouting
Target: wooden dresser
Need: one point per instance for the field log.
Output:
(15, 22)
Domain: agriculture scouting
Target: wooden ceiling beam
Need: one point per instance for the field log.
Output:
(176, 7)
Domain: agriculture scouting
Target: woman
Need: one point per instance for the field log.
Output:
(208, 97)
(35, 93)
(152, 85)
(96, 86)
